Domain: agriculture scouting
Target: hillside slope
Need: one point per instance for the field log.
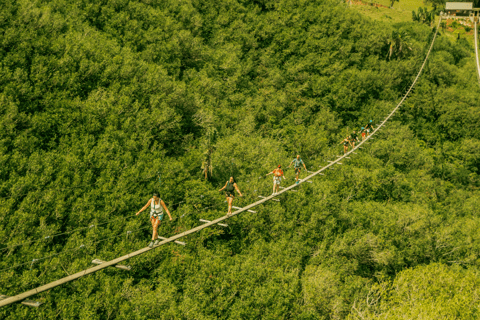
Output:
(96, 98)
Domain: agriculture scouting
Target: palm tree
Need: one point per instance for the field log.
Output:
(209, 145)
(392, 2)
(398, 44)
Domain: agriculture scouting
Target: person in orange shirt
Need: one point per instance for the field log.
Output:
(277, 178)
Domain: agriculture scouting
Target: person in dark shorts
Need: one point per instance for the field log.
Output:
(230, 188)
(345, 143)
(354, 138)
(297, 165)
(156, 215)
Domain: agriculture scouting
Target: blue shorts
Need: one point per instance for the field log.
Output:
(156, 216)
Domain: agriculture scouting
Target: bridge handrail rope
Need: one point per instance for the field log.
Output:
(477, 62)
(113, 262)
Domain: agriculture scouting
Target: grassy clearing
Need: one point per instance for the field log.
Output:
(383, 14)
(401, 11)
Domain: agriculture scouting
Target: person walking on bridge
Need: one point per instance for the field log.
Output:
(345, 143)
(363, 132)
(230, 188)
(369, 127)
(297, 165)
(156, 215)
(354, 138)
(277, 178)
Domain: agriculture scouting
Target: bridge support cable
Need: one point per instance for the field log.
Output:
(477, 62)
(51, 285)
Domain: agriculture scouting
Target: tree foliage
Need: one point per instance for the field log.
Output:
(98, 97)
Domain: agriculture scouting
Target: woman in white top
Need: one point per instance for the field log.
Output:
(156, 215)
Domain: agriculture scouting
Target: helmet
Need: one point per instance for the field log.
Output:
(279, 165)
(371, 120)
(363, 128)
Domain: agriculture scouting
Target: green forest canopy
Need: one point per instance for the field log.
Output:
(96, 97)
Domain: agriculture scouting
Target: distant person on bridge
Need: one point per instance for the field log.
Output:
(354, 137)
(297, 165)
(363, 132)
(230, 188)
(277, 178)
(345, 143)
(156, 215)
(369, 127)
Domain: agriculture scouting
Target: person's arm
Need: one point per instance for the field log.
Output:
(304, 166)
(291, 163)
(269, 173)
(145, 207)
(166, 209)
(238, 190)
(224, 186)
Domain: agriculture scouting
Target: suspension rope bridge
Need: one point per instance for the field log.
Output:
(330, 165)
(477, 62)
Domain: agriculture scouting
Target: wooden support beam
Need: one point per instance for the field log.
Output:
(278, 200)
(219, 224)
(338, 163)
(26, 302)
(177, 242)
(239, 208)
(119, 266)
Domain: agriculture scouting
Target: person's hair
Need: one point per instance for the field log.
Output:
(232, 178)
(155, 194)
(279, 166)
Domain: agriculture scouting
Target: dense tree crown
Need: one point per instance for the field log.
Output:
(98, 99)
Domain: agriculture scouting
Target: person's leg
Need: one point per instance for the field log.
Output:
(153, 232)
(274, 184)
(152, 220)
(156, 227)
(230, 202)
